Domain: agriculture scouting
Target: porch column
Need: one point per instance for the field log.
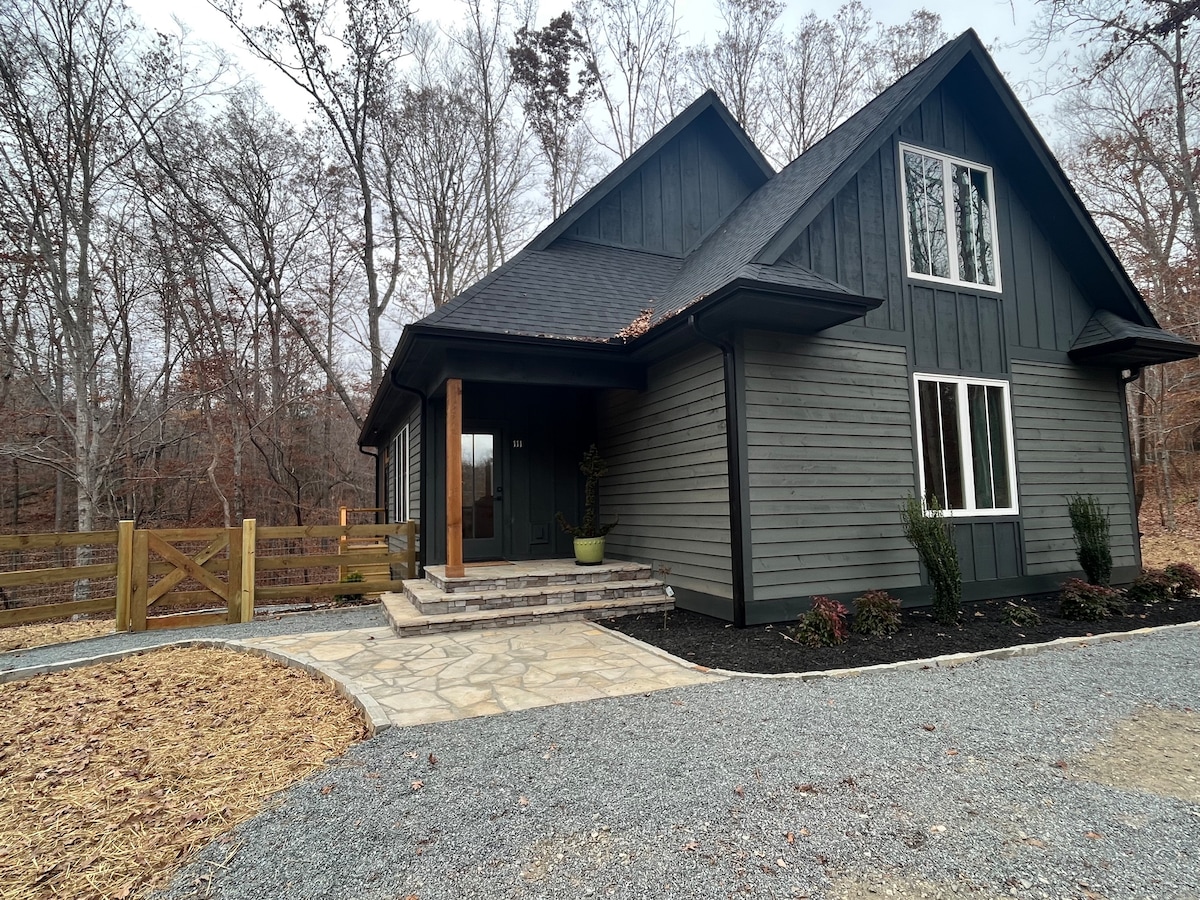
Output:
(454, 536)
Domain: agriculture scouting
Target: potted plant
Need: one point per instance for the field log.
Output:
(589, 534)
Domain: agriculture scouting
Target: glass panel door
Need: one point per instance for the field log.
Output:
(480, 496)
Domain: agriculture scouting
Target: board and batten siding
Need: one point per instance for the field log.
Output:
(667, 473)
(1070, 436)
(414, 465)
(830, 458)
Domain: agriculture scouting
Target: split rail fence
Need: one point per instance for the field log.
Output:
(146, 570)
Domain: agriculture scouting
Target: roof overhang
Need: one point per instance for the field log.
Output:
(426, 356)
(1136, 352)
(750, 303)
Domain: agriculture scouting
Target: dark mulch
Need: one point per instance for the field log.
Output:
(770, 648)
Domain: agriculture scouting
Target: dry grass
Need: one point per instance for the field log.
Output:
(111, 776)
(23, 637)
(1160, 547)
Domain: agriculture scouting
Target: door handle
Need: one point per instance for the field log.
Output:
(497, 493)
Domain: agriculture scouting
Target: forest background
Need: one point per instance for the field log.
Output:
(199, 291)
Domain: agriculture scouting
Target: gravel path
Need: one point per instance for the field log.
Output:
(959, 782)
(265, 626)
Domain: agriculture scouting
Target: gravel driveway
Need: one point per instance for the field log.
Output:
(934, 783)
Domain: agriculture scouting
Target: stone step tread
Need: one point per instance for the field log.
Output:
(582, 575)
(404, 618)
(425, 592)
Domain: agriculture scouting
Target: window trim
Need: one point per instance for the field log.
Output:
(400, 505)
(947, 194)
(965, 444)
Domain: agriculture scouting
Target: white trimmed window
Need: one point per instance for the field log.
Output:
(949, 219)
(965, 445)
(400, 507)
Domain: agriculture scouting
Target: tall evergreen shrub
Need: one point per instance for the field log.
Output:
(1089, 520)
(932, 534)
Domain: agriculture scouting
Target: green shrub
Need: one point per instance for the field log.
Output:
(1185, 580)
(1089, 520)
(1152, 586)
(877, 613)
(1088, 602)
(349, 578)
(824, 625)
(1020, 614)
(933, 536)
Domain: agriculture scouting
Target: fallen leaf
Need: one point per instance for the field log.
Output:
(929, 727)
(417, 785)
(791, 838)
(952, 752)
(432, 760)
(937, 829)
(807, 788)
(740, 791)
(327, 790)
(1094, 835)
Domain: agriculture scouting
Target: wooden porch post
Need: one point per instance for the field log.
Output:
(454, 536)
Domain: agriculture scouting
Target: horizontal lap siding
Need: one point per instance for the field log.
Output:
(667, 472)
(830, 450)
(1070, 439)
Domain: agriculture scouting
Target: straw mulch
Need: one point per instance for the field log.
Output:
(22, 637)
(111, 776)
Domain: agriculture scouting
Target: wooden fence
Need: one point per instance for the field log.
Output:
(231, 568)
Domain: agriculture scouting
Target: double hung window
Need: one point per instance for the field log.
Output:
(950, 219)
(965, 445)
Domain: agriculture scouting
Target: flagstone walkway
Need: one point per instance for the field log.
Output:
(439, 677)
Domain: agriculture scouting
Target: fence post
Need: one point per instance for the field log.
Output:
(124, 572)
(233, 590)
(140, 569)
(247, 592)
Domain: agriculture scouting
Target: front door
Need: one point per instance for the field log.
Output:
(482, 495)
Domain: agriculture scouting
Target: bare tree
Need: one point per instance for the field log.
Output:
(741, 63)
(634, 47)
(343, 55)
(820, 79)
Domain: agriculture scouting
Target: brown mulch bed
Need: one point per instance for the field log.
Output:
(771, 648)
(39, 634)
(112, 775)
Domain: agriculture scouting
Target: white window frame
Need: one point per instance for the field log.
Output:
(400, 502)
(948, 201)
(966, 454)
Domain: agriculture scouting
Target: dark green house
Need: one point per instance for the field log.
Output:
(772, 361)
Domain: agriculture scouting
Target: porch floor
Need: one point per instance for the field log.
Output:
(522, 593)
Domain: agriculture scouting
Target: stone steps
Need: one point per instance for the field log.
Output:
(406, 619)
(428, 600)
(499, 578)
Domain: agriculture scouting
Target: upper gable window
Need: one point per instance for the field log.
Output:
(950, 218)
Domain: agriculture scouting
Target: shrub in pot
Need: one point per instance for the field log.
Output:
(589, 534)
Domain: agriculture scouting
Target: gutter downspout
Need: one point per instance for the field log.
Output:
(737, 556)
(375, 456)
(420, 395)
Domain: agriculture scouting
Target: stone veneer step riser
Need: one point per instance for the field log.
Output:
(564, 615)
(558, 598)
(471, 585)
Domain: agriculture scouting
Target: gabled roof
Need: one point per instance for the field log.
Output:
(1108, 339)
(561, 291)
(708, 102)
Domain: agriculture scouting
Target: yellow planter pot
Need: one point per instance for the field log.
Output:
(589, 551)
